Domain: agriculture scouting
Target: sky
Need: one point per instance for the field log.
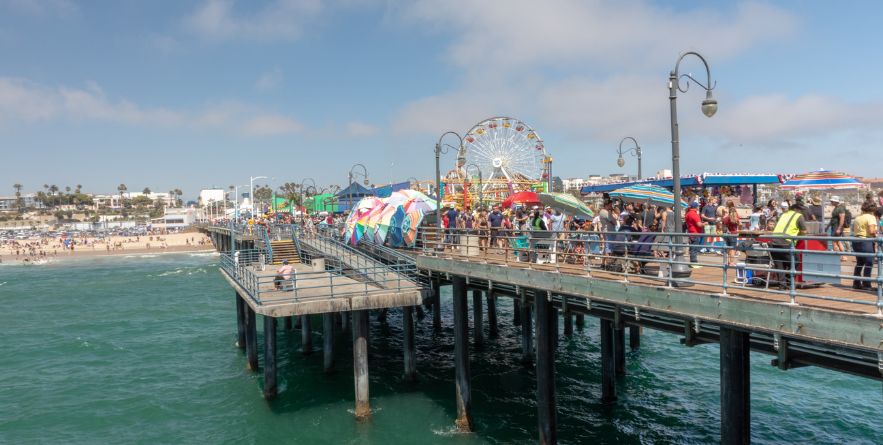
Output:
(195, 94)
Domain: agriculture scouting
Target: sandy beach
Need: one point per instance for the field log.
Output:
(54, 249)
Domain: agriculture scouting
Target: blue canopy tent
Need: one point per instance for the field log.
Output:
(350, 196)
(705, 180)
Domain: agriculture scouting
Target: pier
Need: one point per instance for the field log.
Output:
(830, 326)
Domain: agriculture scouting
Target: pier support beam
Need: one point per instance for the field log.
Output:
(240, 321)
(251, 339)
(619, 349)
(270, 358)
(526, 331)
(286, 324)
(461, 356)
(408, 343)
(555, 323)
(580, 322)
(360, 363)
(516, 312)
(306, 335)
(328, 341)
(436, 306)
(546, 416)
(608, 367)
(635, 337)
(344, 320)
(493, 332)
(568, 320)
(735, 387)
(477, 321)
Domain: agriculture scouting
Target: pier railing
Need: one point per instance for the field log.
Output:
(798, 267)
(268, 287)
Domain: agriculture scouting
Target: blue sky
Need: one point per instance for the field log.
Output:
(192, 94)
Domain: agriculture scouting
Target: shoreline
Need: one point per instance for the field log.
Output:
(85, 255)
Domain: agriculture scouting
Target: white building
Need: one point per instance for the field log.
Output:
(571, 184)
(664, 174)
(175, 218)
(112, 201)
(207, 196)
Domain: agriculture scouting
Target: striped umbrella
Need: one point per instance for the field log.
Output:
(648, 193)
(566, 203)
(822, 180)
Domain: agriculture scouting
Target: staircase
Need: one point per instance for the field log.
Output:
(284, 250)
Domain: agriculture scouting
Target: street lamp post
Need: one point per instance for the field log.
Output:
(251, 190)
(709, 107)
(352, 173)
(439, 150)
(637, 152)
(480, 184)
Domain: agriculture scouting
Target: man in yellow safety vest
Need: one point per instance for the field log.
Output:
(790, 223)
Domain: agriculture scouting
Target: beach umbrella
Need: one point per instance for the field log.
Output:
(418, 201)
(410, 223)
(372, 218)
(394, 237)
(526, 198)
(384, 223)
(822, 180)
(566, 203)
(646, 193)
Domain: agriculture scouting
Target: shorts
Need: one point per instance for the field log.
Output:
(731, 241)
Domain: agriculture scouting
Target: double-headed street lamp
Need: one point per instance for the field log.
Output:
(461, 160)
(637, 152)
(352, 174)
(480, 184)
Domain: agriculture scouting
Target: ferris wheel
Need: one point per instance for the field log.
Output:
(509, 153)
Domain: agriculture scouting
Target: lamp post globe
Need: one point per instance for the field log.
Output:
(620, 161)
(709, 105)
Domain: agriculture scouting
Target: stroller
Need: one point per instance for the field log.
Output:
(630, 253)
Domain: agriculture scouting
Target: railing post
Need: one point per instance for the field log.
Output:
(671, 254)
(879, 275)
(793, 290)
(726, 259)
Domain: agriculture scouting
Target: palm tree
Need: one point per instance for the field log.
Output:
(67, 189)
(146, 190)
(291, 192)
(178, 194)
(18, 200)
(53, 189)
(79, 188)
(122, 188)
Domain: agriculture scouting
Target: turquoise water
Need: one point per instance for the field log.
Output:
(141, 350)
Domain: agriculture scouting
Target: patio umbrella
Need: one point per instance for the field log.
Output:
(647, 193)
(822, 180)
(418, 201)
(395, 237)
(384, 223)
(566, 203)
(410, 223)
(525, 198)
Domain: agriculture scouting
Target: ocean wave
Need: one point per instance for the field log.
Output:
(171, 272)
(3, 283)
(204, 254)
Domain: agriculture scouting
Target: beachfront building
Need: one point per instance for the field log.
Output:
(175, 218)
(571, 184)
(29, 201)
(112, 201)
(207, 196)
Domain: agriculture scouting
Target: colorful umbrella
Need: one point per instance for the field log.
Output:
(566, 203)
(822, 180)
(410, 224)
(384, 223)
(418, 201)
(395, 238)
(648, 193)
(525, 198)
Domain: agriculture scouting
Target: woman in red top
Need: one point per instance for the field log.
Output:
(731, 228)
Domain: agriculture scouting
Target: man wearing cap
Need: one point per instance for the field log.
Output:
(695, 225)
(283, 273)
(790, 223)
(841, 221)
(816, 210)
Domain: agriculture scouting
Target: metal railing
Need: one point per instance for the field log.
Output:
(244, 268)
(784, 265)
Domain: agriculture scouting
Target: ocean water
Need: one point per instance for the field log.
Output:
(141, 350)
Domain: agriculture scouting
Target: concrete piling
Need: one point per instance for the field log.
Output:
(240, 321)
(580, 322)
(251, 336)
(436, 306)
(286, 324)
(410, 355)
(635, 337)
(493, 330)
(608, 367)
(735, 372)
(306, 335)
(328, 341)
(619, 349)
(477, 321)
(270, 389)
(546, 412)
(360, 363)
(461, 356)
(526, 331)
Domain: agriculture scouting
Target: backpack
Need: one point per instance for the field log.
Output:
(847, 218)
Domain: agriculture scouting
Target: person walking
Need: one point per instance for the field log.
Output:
(865, 227)
(695, 226)
(840, 224)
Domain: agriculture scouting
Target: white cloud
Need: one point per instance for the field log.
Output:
(25, 101)
(269, 80)
(361, 129)
(272, 125)
(279, 20)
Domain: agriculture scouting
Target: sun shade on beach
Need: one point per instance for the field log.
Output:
(647, 193)
(566, 203)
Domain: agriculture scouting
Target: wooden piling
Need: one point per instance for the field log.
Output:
(555, 325)
(381, 315)
(516, 312)
(568, 320)
(608, 367)
(580, 322)
(328, 341)
(306, 335)
(360, 363)
(635, 337)
(526, 331)
(410, 353)
(477, 321)
(735, 372)
(251, 336)
(344, 320)
(493, 330)
(420, 314)
(436, 306)
(270, 358)
(461, 356)
(619, 349)
(240, 321)
(286, 323)
(546, 416)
